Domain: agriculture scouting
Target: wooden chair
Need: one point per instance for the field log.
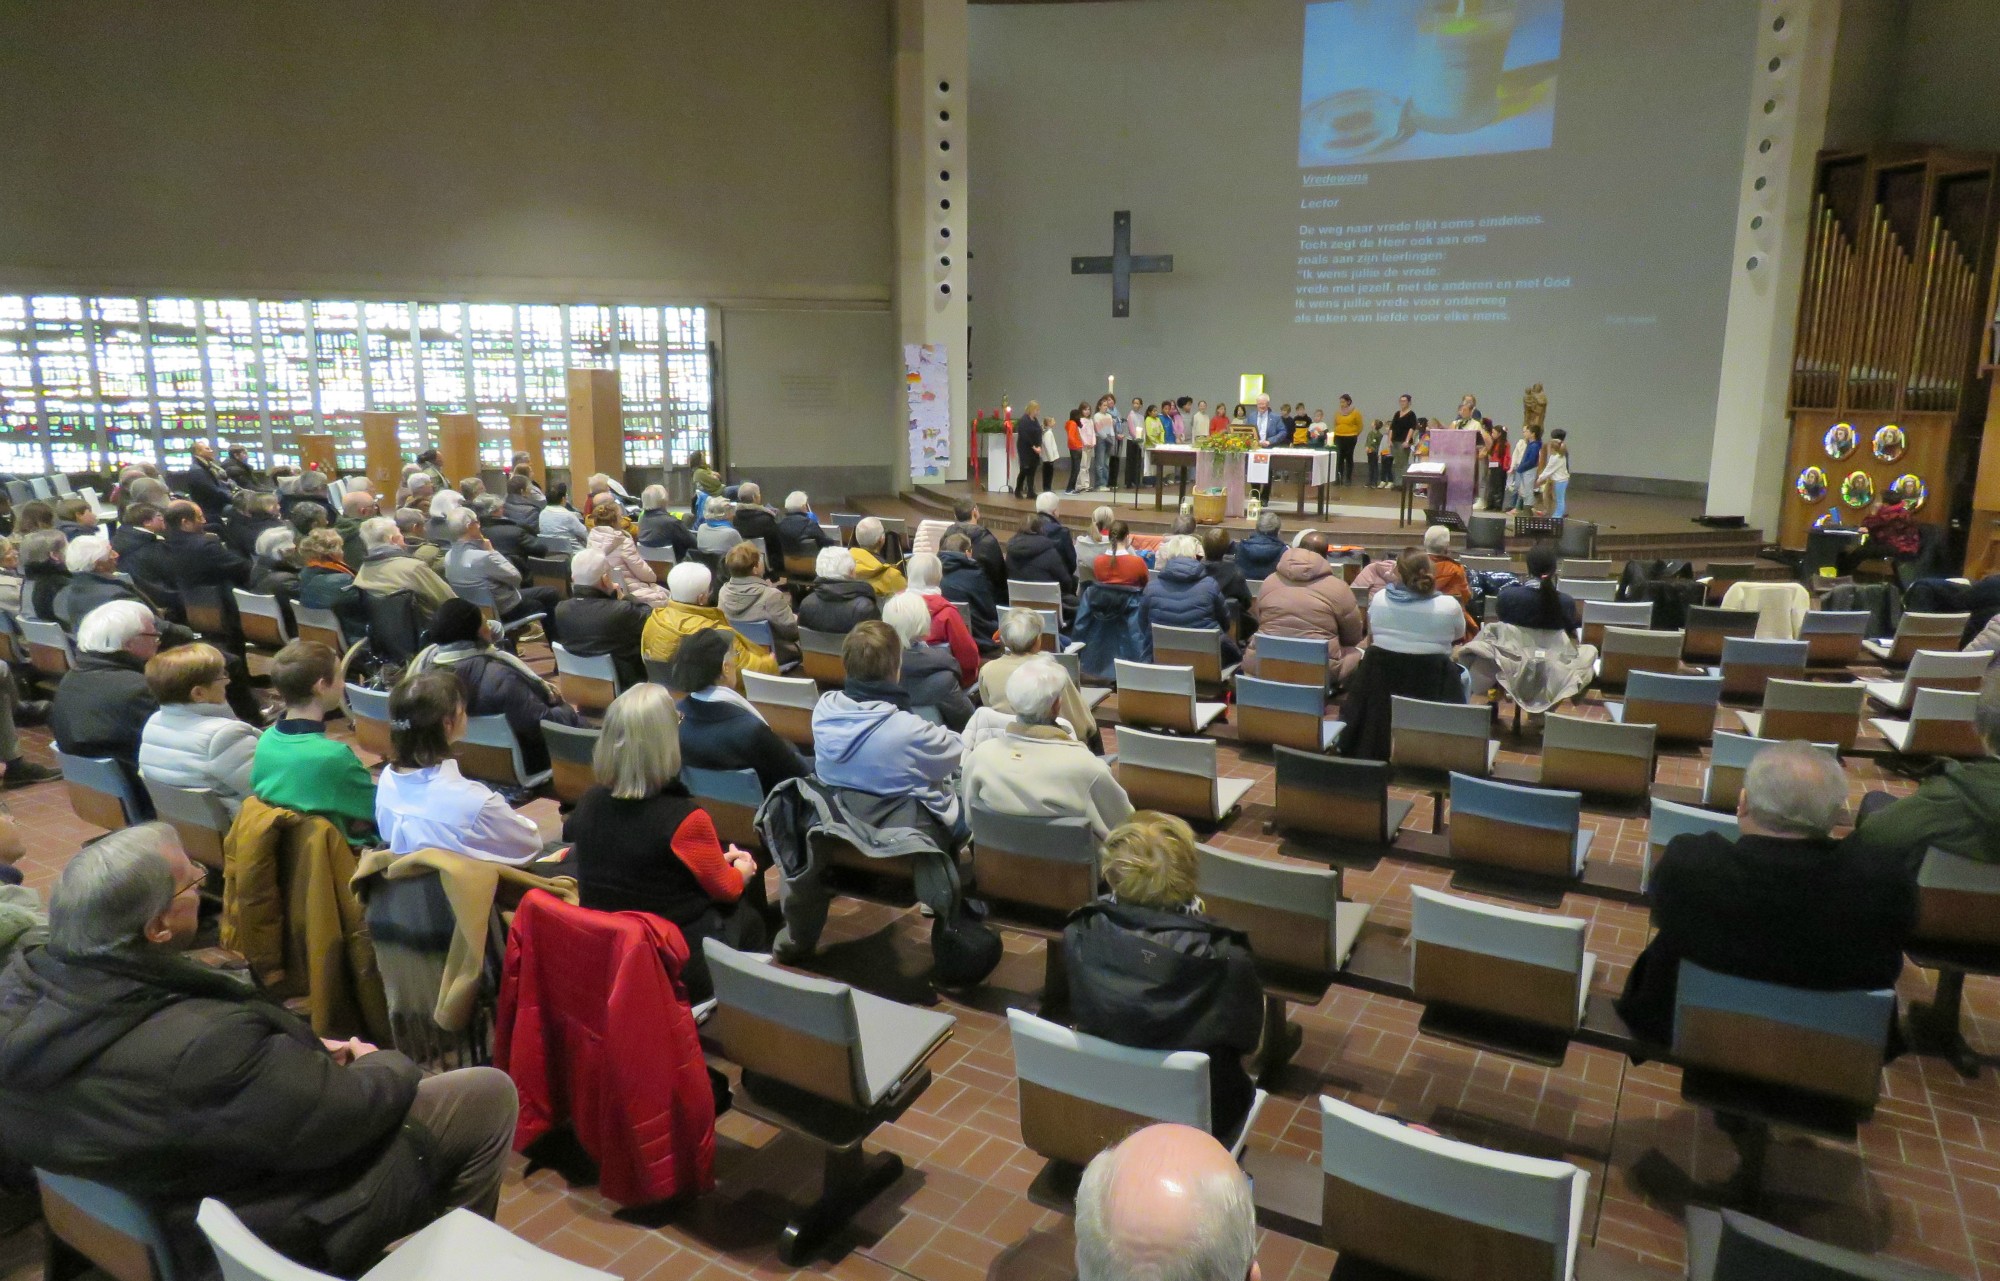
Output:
(551, 572)
(1668, 820)
(1514, 829)
(1600, 614)
(827, 1062)
(1580, 569)
(1681, 707)
(100, 792)
(731, 798)
(1475, 564)
(1728, 1245)
(197, 816)
(1035, 596)
(206, 608)
(1449, 738)
(786, 703)
(1763, 1054)
(1918, 632)
(820, 657)
(1292, 660)
(572, 771)
(1722, 575)
(489, 751)
(1817, 711)
(1501, 979)
(1154, 696)
(1708, 626)
(1080, 1094)
(1176, 775)
(368, 712)
(1747, 663)
(1722, 779)
(1601, 591)
(1601, 758)
(1958, 933)
(1942, 723)
(588, 682)
(1284, 715)
(1072, 664)
(1347, 800)
(49, 650)
(1833, 637)
(1046, 865)
(322, 625)
(86, 1223)
(1197, 647)
(265, 630)
(1624, 650)
(657, 556)
(1931, 669)
(1422, 1205)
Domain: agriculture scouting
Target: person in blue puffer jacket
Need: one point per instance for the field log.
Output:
(1181, 594)
(1258, 555)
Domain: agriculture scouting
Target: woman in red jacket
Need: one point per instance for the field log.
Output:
(948, 627)
(641, 844)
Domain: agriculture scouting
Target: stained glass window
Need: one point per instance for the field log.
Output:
(91, 382)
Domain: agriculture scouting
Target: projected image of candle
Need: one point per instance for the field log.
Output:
(1455, 74)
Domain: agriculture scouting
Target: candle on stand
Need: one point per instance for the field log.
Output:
(1111, 384)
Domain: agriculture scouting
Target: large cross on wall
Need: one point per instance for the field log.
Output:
(1122, 264)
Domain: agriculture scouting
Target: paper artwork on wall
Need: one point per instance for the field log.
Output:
(924, 376)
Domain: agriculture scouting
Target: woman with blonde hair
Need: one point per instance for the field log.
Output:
(194, 740)
(1149, 970)
(641, 844)
(611, 534)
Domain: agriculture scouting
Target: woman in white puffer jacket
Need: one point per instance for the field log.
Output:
(630, 570)
(194, 740)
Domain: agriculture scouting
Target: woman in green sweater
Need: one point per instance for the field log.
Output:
(297, 767)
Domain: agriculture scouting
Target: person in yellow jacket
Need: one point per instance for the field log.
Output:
(1346, 434)
(686, 613)
(869, 566)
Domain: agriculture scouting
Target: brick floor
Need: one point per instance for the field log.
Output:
(1923, 1183)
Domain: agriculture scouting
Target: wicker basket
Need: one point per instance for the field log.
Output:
(1208, 508)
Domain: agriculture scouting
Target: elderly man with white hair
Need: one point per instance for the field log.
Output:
(869, 565)
(101, 706)
(1167, 1203)
(389, 566)
(1037, 768)
(838, 600)
(799, 533)
(688, 611)
(356, 505)
(597, 620)
(659, 527)
(716, 533)
(1020, 635)
(478, 573)
(758, 523)
(91, 564)
(1783, 903)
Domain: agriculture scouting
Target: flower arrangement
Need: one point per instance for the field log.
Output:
(988, 424)
(1228, 442)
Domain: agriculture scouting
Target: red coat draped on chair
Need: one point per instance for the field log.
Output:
(595, 1029)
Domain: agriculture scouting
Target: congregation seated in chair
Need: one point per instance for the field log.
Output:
(1035, 767)
(422, 800)
(495, 682)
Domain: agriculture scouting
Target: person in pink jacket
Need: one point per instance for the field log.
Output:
(1306, 597)
(631, 571)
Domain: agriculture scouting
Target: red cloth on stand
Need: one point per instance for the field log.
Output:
(595, 1029)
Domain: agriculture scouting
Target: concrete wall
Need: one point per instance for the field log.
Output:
(1947, 80)
(806, 405)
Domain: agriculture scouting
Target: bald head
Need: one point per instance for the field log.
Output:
(1167, 1204)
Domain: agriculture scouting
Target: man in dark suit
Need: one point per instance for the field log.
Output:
(1783, 903)
(986, 548)
(141, 544)
(755, 521)
(207, 483)
(597, 621)
(195, 557)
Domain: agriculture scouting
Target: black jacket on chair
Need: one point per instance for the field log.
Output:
(964, 580)
(761, 524)
(837, 604)
(987, 551)
(1807, 913)
(173, 1082)
(41, 583)
(593, 623)
(1160, 980)
(1383, 674)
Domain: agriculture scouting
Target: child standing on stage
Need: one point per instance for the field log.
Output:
(1555, 473)
(1374, 447)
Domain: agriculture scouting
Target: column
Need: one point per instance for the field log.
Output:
(458, 445)
(596, 426)
(931, 99)
(384, 453)
(1789, 91)
(316, 454)
(524, 436)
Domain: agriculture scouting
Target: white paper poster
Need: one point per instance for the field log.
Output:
(924, 374)
(1259, 470)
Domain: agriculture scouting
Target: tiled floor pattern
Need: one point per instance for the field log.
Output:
(1924, 1183)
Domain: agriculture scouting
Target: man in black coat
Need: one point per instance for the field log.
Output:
(757, 522)
(1034, 557)
(246, 523)
(1781, 904)
(207, 483)
(720, 733)
(985, 547)
(799, 533)
(838, 601)
(124, 1062)
(141, 544)
(659, 527)
(101, 704)
(963, 580)
(195, 557)
(596, 621)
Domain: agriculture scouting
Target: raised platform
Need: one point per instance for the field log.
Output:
(1628, 525)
